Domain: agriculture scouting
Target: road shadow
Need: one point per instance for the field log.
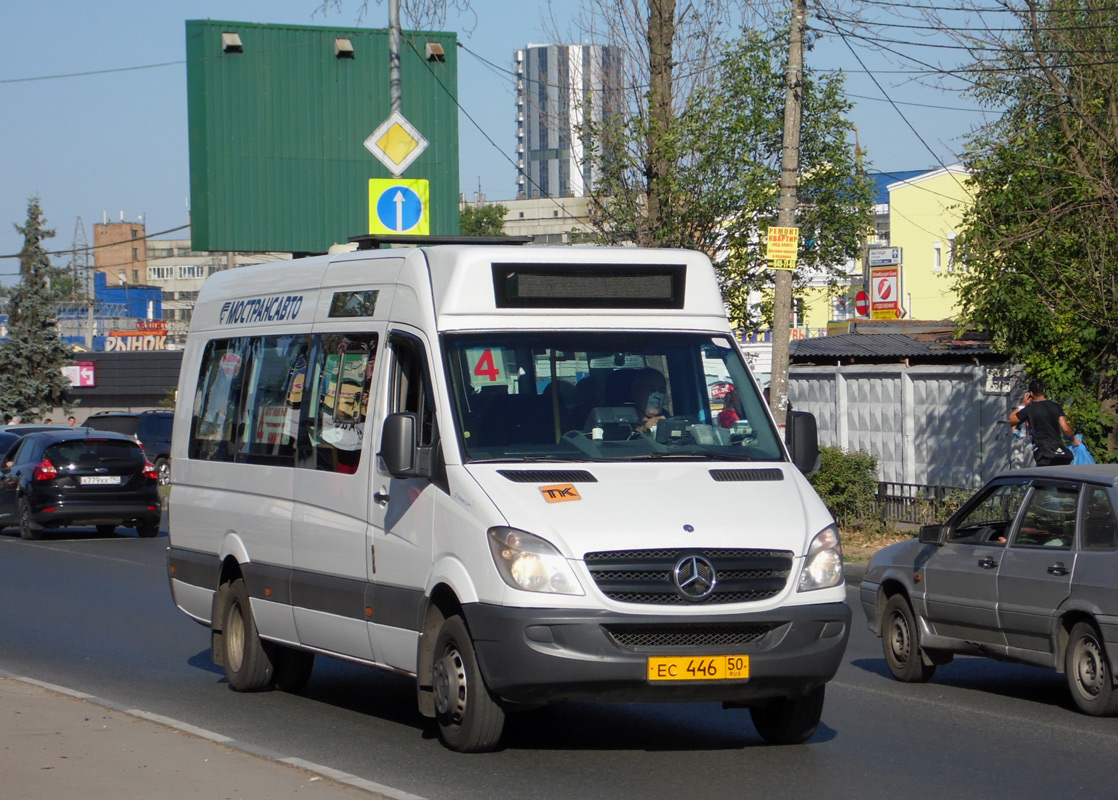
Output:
(652, 727)
(975, 673)
(79, 534)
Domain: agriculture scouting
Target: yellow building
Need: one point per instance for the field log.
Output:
(924, 213)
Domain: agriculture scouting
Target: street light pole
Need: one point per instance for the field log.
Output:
(786, 216)
(395, 92)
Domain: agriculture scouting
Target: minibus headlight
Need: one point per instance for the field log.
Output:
(823, 563)
(530, 563)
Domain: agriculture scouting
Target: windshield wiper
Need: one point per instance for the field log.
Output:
(660, 455)
(531, 459)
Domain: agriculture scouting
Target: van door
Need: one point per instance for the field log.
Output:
(330, 579)
(402, 511)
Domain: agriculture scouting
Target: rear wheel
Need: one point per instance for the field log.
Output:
(470, 720)
(247, 665)
(148, 529)
(900, 640)
(163, 470)
(1089, 674)
(27, 528)
(789, 720)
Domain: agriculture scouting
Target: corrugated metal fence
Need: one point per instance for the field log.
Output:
(928, 425)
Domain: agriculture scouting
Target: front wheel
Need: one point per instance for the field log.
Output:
(1089, 675)
(900, 640)
(247, 665)
(789, 720)
(470, 720)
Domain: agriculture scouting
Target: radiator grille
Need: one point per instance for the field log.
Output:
(664, 637)
(647, 576)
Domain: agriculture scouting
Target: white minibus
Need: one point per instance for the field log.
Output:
(505, 472)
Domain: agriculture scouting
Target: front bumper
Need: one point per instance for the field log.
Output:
(543, 655)
(867, 594)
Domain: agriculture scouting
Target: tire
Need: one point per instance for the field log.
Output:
(470, 720)
(1090, 678)
(291, 668)
(106, 530)
(247, 665)
(163, 470)
(27, 528)
(148, 530)
(900, 641)
(789, 720)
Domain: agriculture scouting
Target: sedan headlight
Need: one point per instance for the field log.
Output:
(823, 563)
(530, 563)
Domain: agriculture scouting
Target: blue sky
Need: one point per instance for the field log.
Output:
(115, 140)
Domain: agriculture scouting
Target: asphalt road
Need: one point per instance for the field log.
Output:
(95, 615)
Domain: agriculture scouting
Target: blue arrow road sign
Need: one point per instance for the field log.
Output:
(399, 209)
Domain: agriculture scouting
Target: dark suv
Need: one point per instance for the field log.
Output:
(152, 429)
(78, 477)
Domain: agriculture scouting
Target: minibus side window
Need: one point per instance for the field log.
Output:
(217, 400)
(338, 397)
(273, 399)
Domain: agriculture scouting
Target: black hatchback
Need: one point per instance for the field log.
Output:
(78, 477)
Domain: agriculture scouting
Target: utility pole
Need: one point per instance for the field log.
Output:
(395, 92)
(786, 216)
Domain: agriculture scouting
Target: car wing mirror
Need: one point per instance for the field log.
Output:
(933, 534)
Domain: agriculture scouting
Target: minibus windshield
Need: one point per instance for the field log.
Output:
(605, 396)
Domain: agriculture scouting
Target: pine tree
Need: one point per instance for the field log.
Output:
(32, 357)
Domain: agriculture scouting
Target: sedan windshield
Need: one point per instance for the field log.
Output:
(606, 396)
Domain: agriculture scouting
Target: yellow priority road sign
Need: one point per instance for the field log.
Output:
(396, 143)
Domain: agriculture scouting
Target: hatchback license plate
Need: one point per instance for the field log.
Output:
(698, 668)
(88, 480)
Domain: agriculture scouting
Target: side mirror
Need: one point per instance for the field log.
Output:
(801, 435)
(398, 446)
(933, 534)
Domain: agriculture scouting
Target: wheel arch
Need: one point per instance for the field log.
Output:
(1068, 619)
(890, 585)
(441, 603)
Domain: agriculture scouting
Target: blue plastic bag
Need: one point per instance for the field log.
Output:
(1079, 452)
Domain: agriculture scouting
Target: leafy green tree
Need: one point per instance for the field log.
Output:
(1039, 242)
(721, 192)
(33, 355)
(488, 220)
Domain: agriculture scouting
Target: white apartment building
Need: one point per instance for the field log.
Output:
(560, 87)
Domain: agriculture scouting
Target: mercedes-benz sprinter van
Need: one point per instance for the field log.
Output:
(500, 471)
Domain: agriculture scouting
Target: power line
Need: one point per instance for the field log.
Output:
(90, 72)
(70, 250)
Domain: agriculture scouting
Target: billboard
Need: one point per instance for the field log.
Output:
(279, 116)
